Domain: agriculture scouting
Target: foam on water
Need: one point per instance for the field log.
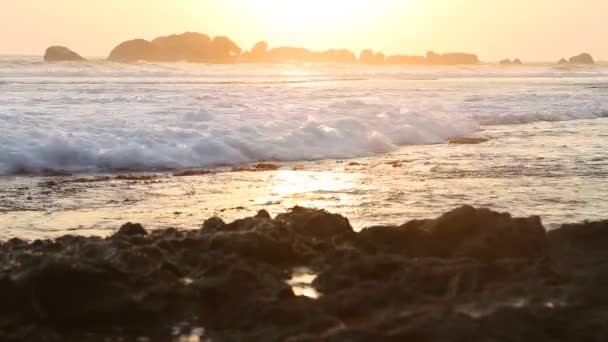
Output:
(108, 116)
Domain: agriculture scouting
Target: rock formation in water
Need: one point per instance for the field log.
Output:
(190, 47)
(406, 60)
(469, 275)
(451, 58)
(261, 54)
(369, 57)
(583, 58)
(61, 54)
(197, 47)
(507, 61)
(562, 61)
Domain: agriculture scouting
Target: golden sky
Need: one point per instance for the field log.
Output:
(541, 30)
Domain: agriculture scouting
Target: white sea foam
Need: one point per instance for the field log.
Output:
(101, 115)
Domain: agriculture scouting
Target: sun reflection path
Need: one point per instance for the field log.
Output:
(290, 182)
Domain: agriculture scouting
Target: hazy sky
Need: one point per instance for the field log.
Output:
(495, 29)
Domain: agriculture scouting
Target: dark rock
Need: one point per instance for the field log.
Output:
(506, 62)
(130, 229)
(467, 141)
(583, 58)
(316, 223)
(468, 275)
(61, 54)
(562, 61)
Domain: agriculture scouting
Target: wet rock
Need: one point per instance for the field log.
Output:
(61, 54)
(470, 274)
(317, 223)
(130, 229)
(190, 173)
(467, 141)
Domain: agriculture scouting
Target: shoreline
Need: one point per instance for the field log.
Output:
(305, 275)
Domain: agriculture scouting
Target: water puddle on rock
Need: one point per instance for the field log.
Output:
(301, 282)
(185, 333)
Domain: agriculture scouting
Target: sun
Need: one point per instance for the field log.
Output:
(309, 15)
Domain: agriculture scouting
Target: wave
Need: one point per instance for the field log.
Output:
(197, 139)
(108, 116)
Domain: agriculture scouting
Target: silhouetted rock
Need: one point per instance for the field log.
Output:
(562, 61)
(335, 56)
(261, 54)
(369, 57)
(134, 51)
(61, 54)
(517, 61)
(451, 58)
(406, 60)
(189, 46)
(468, 275)
(583, 58)
(506, 62)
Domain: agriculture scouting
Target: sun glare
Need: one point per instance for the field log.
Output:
(310, 14)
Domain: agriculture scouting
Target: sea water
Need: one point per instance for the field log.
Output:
(546, 155)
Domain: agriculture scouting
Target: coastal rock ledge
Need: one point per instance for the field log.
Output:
(469, 275)
(61, 54)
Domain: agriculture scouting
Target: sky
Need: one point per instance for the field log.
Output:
(534, 30)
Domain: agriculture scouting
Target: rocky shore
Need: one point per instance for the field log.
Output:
(305, 275)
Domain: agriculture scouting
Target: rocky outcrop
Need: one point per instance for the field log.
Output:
(190, 47)
(406, 60)
(261, 54)
(507, 61)
(369, 57)
(61, 54)
(562, 61)
(583, 58)
(451, 58)
(469, 275)
(134, 51)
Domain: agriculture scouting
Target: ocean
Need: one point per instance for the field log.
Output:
(369, 142)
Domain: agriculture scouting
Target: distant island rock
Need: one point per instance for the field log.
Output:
(405, 60)
(369, 57)
(451, 58)
(261, 54)
(583, 58)
(562, 61)
(507, 61)
(198, 47)
(189, 47)
(61, 54)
